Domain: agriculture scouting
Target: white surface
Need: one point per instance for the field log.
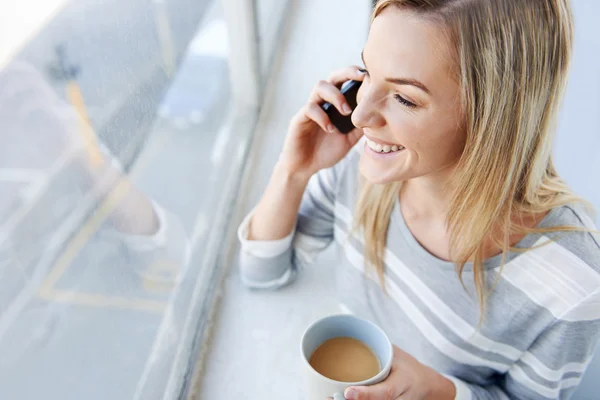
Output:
(255, 350)
(578, 142)
(577, 147)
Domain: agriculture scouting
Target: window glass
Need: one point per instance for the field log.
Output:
(115, 157)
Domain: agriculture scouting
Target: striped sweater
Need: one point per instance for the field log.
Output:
(542, 320)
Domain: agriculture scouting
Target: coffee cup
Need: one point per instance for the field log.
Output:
(355, 332)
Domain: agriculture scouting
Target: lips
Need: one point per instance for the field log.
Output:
(382, 147)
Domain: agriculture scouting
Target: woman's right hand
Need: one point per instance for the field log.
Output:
(312, 142)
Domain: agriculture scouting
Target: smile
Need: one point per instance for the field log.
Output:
(383, 148)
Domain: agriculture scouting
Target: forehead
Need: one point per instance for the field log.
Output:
(403, 43)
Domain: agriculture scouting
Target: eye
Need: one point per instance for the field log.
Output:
(364, 71)
(404, 102)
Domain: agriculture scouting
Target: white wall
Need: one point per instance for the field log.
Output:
(578, 141)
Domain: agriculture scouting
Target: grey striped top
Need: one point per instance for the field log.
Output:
(542, 321)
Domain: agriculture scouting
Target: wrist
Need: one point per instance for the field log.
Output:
(291, 176)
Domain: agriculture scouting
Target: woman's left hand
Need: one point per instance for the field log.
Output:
(408, 380)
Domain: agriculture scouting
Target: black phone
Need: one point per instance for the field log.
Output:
(343, 123)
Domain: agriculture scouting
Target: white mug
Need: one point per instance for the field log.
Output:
(320, 387)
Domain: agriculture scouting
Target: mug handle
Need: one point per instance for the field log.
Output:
(339, 396)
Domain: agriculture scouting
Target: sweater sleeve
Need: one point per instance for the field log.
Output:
(553, 365)
(273, 264)
(162, 256)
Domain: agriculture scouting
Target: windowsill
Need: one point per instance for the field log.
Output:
(253, 353)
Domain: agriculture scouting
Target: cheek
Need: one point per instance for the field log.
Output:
(430, 140)
(407, 130)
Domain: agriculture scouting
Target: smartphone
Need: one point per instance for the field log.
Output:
(343, 123)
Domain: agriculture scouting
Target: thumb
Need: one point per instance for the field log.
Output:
(381, 391)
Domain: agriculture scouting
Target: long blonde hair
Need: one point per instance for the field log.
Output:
(513, 57)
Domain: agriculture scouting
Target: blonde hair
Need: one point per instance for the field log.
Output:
(513, 57)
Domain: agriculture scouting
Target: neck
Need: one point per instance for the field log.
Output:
(427, 196)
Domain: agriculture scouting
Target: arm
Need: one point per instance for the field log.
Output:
(52, 140)
(311, 145)
(153, 237)
(130, 210)
(554, 365)
(155, 241)
(30, 108)
(283, 193)
(273, 263)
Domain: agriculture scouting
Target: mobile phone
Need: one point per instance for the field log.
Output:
(343, 123)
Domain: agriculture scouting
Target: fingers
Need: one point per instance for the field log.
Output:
(381, 391)
(314, 112)
(327, 92)
(346, 74)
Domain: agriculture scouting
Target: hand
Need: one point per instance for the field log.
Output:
(312, 142)
(408, 380)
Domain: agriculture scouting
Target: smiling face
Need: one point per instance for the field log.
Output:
(409, 103)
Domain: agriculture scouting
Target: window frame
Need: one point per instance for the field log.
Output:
(248, 81)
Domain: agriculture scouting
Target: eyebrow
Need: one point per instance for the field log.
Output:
(401, 81)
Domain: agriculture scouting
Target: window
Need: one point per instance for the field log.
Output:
(124, 128)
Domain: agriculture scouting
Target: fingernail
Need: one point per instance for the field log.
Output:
(346, 108)
(330, 128)
(350, 394)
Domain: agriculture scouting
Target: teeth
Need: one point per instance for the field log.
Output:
(383, 148)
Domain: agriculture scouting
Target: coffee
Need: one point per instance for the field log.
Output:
(345, 359)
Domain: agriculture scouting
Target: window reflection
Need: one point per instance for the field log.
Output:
(88, 261)
(122, 140)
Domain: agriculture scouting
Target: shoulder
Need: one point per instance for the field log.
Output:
(561, 271)
(584, 243)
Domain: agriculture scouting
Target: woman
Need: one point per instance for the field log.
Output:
(459, 237)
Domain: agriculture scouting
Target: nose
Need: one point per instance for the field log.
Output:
(367, 112)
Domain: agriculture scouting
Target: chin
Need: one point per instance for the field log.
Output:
(378, 176)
